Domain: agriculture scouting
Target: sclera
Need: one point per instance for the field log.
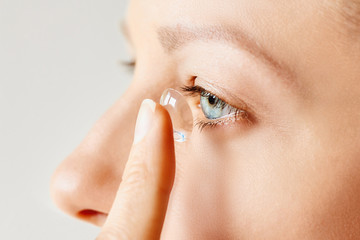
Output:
(179, 110)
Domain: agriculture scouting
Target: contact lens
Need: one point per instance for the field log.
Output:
(179, 110)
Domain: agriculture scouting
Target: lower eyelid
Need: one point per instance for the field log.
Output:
(202, 122)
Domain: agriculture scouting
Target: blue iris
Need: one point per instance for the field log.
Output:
(213, 107)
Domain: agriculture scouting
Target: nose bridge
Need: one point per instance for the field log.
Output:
(85, 183)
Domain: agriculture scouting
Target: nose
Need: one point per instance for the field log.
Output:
(85, 183)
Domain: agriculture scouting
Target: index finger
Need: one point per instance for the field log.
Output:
(139, 208)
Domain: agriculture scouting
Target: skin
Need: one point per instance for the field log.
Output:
(290, 172)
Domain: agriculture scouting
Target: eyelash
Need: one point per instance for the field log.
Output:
(237, 114)
(130, 65)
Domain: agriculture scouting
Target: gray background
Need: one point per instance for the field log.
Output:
(59, 71)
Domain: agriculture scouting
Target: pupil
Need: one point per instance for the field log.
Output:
(212, 100)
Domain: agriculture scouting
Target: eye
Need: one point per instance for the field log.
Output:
(215, 108)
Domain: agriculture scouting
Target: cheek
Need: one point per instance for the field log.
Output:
(298, 187)
(295, 187)
(264, 185)
(199, 192)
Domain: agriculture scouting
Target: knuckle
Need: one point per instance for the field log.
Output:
(137, 173)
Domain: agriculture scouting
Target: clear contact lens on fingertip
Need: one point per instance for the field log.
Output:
(179, 110)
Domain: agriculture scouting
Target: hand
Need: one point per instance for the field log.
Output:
(140, 204)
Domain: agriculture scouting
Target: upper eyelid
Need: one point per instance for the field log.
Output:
(237, 114)
(196, 90)
(192, 90)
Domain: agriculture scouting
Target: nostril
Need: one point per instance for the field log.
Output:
(92, 216)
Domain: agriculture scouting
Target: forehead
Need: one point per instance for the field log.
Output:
(301, 33)
(344, 13)
(270, 23)
(203, 9)
(258, 16)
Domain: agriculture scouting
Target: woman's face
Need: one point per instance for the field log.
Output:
(288, 168)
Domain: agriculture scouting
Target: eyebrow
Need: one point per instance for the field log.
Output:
(350, 11)
(173, 38)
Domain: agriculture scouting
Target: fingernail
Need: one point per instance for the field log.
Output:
(144, 119)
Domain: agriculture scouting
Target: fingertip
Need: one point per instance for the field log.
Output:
(162, 140)
(148, 178)
(164, 118)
